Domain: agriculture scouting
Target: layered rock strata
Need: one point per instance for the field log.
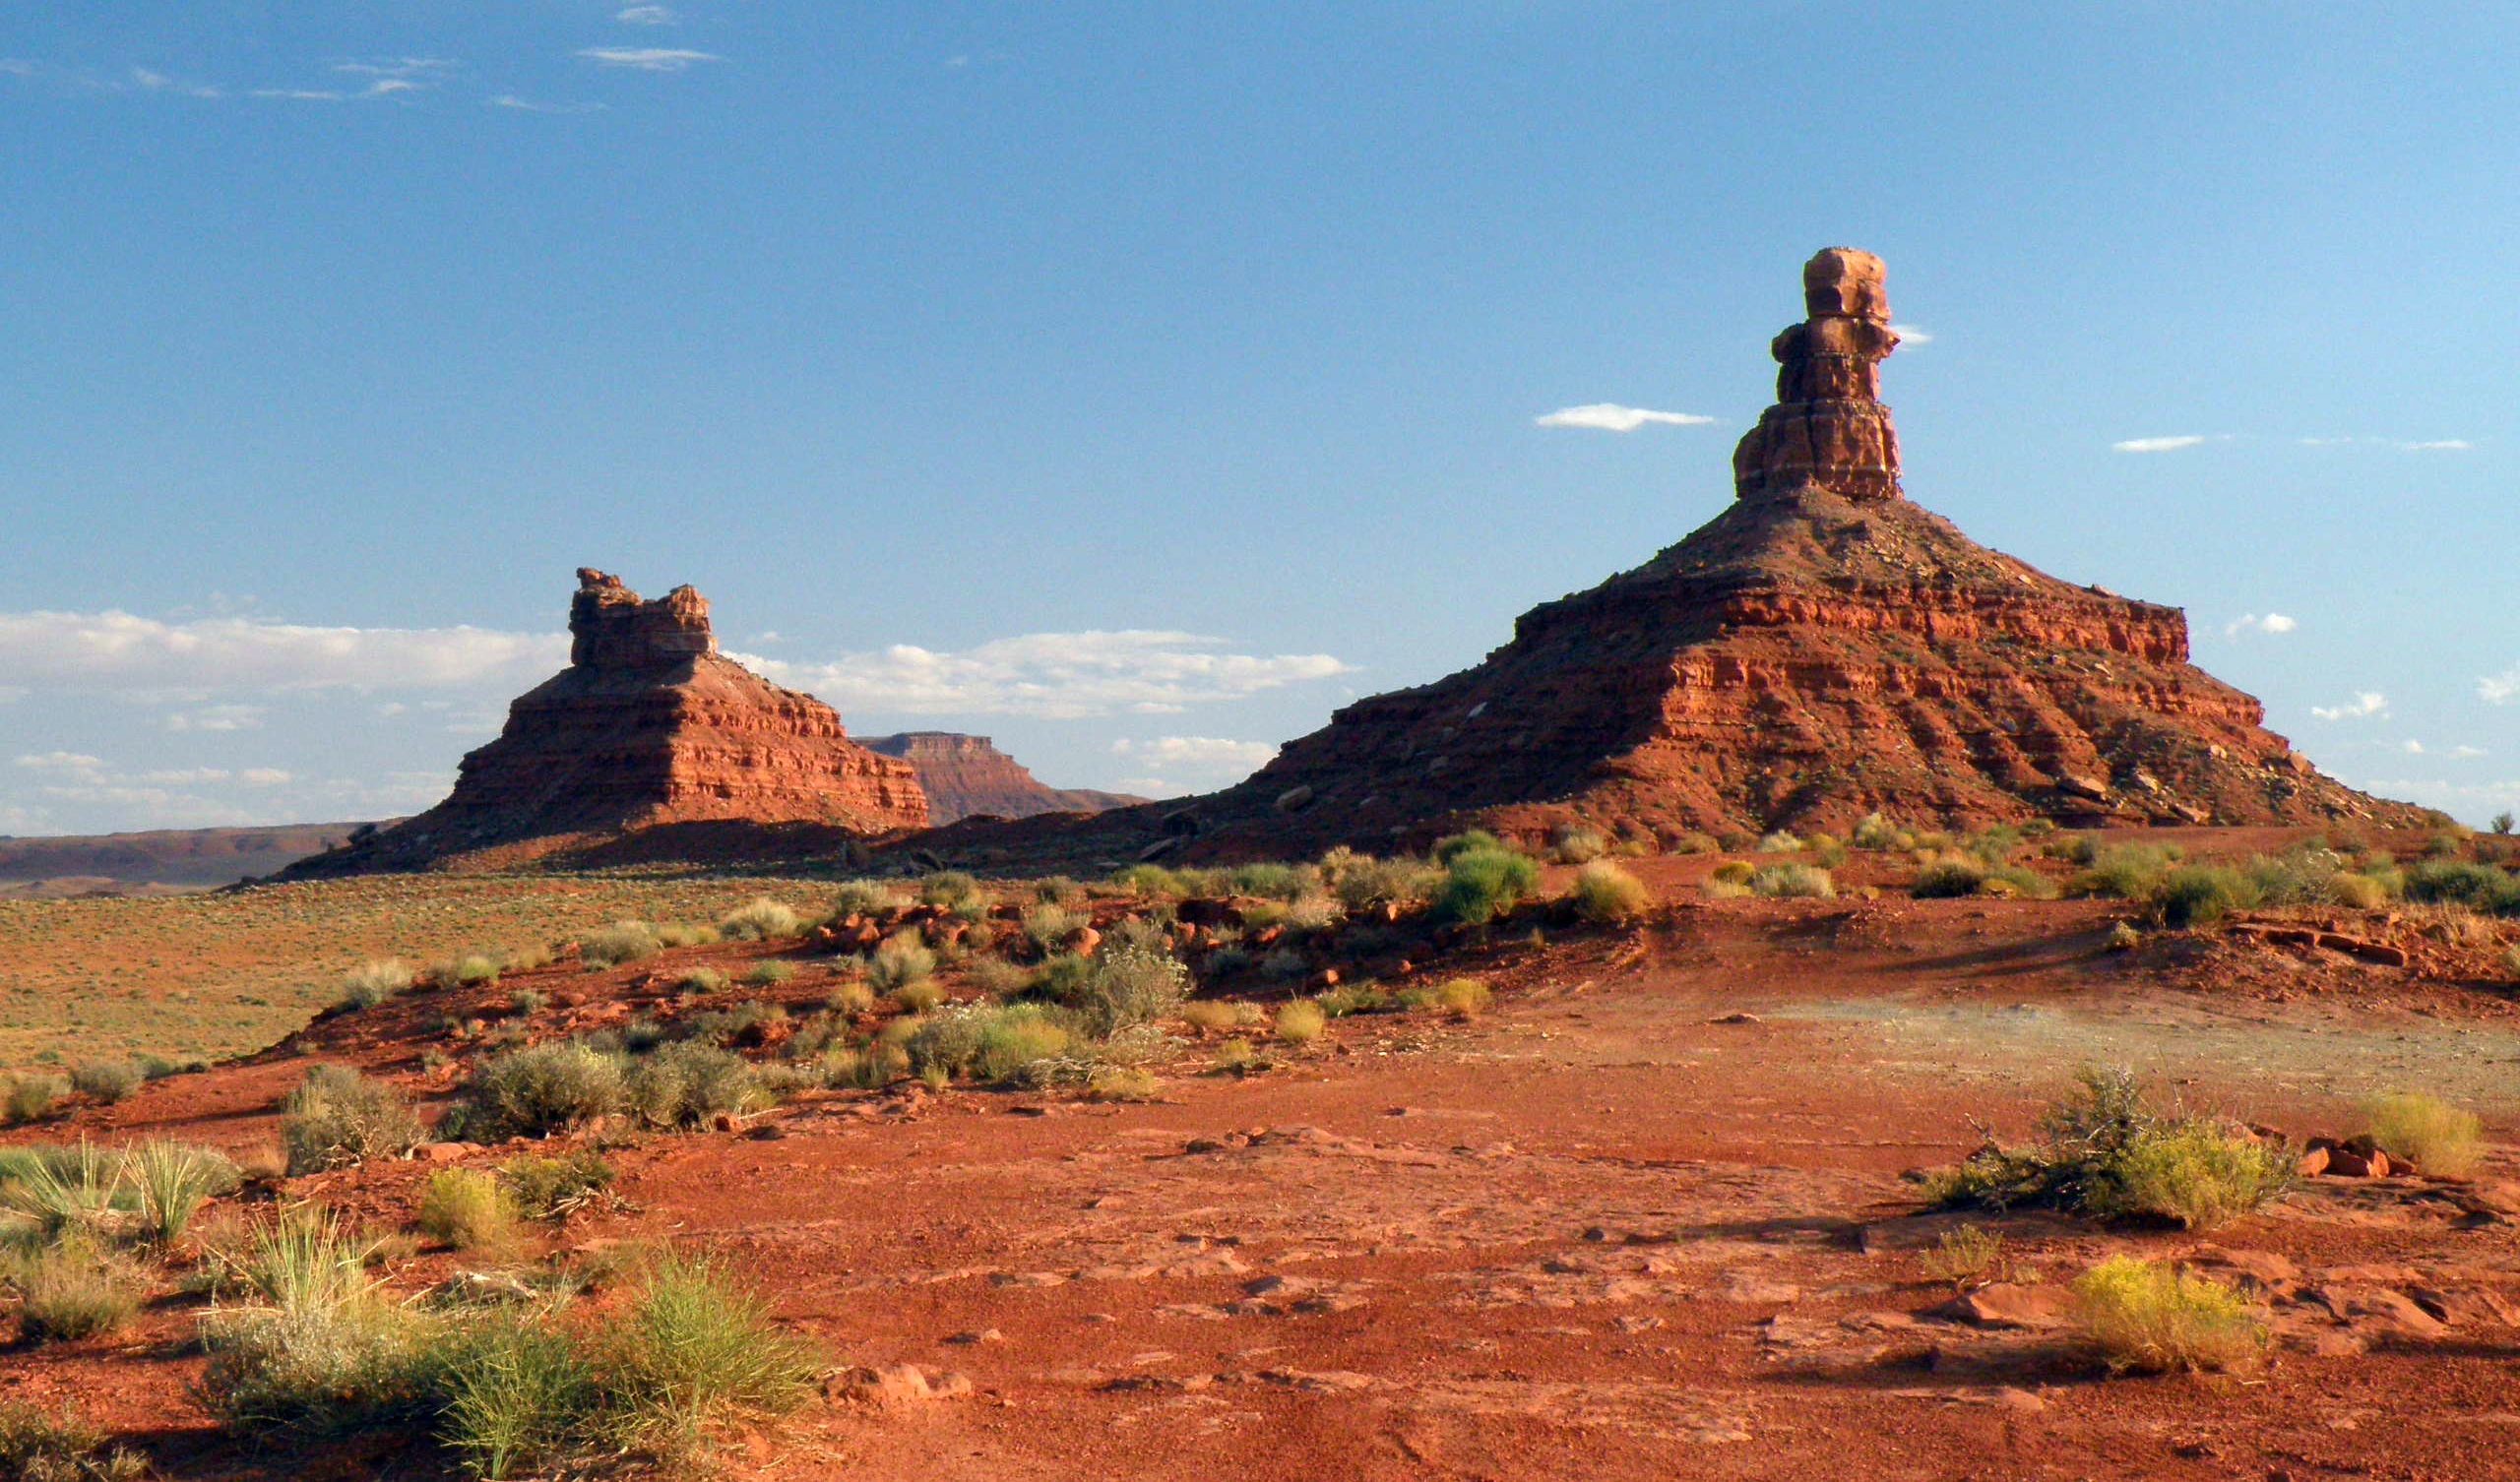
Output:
(967, 777)
(648, 725)
(1821, 650)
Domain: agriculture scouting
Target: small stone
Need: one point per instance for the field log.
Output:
(971, 1336)
(896, 1384)
(1738, 1018)
(2005, 1304)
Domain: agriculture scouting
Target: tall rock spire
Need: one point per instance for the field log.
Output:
(1828, 426)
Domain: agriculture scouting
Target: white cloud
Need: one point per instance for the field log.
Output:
(2158, 444)
(528, 105)
(2500, 689)
(1910, 334)
(1058, 675)
(62, 760)
(2438, 444)
(2402, 445)
(1208, 754)
(1609, 416)
(647, 58)
(117, 652)
(159, 82)
(14, 67)
(2412, 748)
(303, 94)
(646, 15)
(263, 777)
(2467, 753)
(2250, 622)
(217, 717)
(2365, 703)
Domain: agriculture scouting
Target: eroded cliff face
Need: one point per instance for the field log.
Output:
(965, 776)
(648, 725)
(1823, 648)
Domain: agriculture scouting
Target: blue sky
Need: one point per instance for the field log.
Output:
(1138, 383)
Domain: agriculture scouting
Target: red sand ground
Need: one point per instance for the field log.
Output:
(1599, 1232)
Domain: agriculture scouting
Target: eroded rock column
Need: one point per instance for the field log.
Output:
(1828, 426)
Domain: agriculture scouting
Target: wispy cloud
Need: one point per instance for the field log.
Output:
(2410, 746)
(2365, 703)
(2500, 689)
(528, 105)
(1909, 333)
(159, 82)
(2468, 753)
(2250, 622)
(2402, 445)
(1055, 675)
(1609, 416)
(217, 717)
(99, 652)
(646, 15)
(1198, 752)
(647, 58)
(2160, 444)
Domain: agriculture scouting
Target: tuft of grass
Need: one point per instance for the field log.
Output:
(1607, 894)
(33, 1097)
(2125, 872)
(2427, 1130)
(761, 921)
(537, 1090)
(337, 1117)
(899, 961)
(694, 1348)
(1239, 1057)
(1362, 883)
(2478, 886)
(73, 1290)
(1212, 1014)
(1779, 843)
(1127, 985)
(1792, 881)
(1482, 883)
(108, 1081)
(621, 942)
(40, 1446)
(769, 973)
(954, 891)
(2202, 894)
(1966, 1256)
(689, 1083)
(2150, 1316)
(170, 1182)
(685, 934)
(863, 898)
(315, 1348)
(1050, 925)
(1300, 1021)
(1576, 844)
(1462, 998)
(701, 980)
(372, 983)
(517, 1392)
(549, 1188)
(466, 1208)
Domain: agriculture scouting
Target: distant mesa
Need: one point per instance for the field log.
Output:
(648, 726)
(967, 777)
(1821, 650)
(157, 860)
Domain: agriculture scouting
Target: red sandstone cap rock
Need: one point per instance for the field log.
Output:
(1845, 281)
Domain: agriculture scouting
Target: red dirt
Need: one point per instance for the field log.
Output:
(1607, 1231)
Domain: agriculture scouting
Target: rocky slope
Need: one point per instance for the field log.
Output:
(648, 726)
(1823, 648)
(193, 858)
(965, 776)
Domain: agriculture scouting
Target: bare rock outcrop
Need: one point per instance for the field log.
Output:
(965, 777)
(1822, 649)
(647, 726)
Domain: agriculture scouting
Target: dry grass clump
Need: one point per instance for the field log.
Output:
(2125, 871)
(2436, 1136)
(1049, 924)
(1364, 882)
(106, 1081)
(372, 983)
(1300, 1021)
(621, 942)
(1575, 844)
(897, 962)
(337, 1117)
(32, 1097)
(769, 973)
(2201, 895)
(1607, 894)
(956, 892)
(73, 1289)
(1462, 998)
(466, 1208)
(1966, 1256)
(39, 1446)
(537, 1089)
(1794, 881)
(2150, 1316)
(761, 921)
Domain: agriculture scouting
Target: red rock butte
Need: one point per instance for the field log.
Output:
(1821, 650)
(968, 777)
(648, 725)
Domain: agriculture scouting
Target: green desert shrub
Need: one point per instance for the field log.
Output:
(1607, 894)
(701, 980)
(2462, 881)
(2359, 892)
(1337, 1002)
(761, 921)
(2150, 1316)
(1126, 985)
(2202, 894)
(954, 891)
(2108, 1152)
(316, 1347)
(696, 1348)
(1270, 879)
(1483, 884)
(514, 1393)
(621, 942)
(899, 961)
(769, 973)
(547, 1188)
(474, 970)
(1462, 998)
(1468, 841)
(690, 1082)
(108, 1081)
(1947, 879)
(372, 983)
(989, 1042)
(1794, 881)
(1314, 910)
(466, 1208)
(1964, 1256)
(540, 1089)
(2429, 1132)
(2125, 872)
(1575, 844)
(1873, 830)
(1779, 841)
(337, 1117)
(685, 934)
(863, 898)
(1362, 883)
(170, 1181)
(1049, 924)
(1213, 1014)
(33, 1097)
(45, 1445)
